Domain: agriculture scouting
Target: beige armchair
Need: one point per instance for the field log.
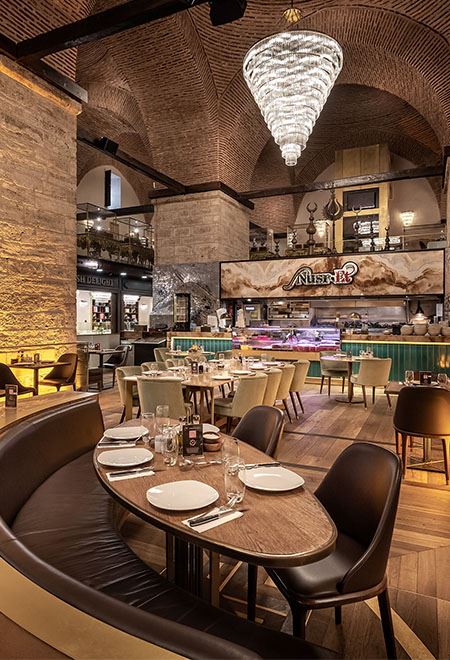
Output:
(372, 373)
(121, 373)
(249, 393)
(159, 366)
(287, 374)
(332, 369)
(298, 383)
(159, 392)
(273, 382)
(161, 354)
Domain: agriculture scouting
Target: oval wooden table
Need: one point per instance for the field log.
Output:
(278, 530)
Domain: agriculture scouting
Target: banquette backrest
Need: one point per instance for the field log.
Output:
(33, 449)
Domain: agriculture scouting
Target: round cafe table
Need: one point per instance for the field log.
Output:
(349, 398)
(278, 530)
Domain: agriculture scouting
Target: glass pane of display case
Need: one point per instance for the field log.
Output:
(312, 339)
(94, 312)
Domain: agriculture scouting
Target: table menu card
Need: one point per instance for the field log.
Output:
(193, 440)
(11, 392)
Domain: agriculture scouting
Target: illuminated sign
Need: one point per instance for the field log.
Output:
(305, 276)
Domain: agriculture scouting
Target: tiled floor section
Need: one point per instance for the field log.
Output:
(419, 567)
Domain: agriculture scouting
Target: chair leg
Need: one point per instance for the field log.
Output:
(122, 417)
(388, 397)
(138, 412)
(299, 398)
(321, 383)
(329, 385)
(343, 384)
(252, 580)
(298, 620)
(373, 395)
(446, 451)
(114, 377)
(386, 622)
(404, 452)
(293, 404)
(285, 403)
(338, 615)
(364, 395)
(228, 427)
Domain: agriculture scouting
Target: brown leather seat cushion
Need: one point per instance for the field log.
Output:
(68, 522)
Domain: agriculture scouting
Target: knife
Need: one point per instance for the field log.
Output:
(251, 466)
(124, 473)
(213, 516)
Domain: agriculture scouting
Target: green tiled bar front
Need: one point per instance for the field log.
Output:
(420, 356)
(209, 343)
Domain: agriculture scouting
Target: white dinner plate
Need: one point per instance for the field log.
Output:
(210, 428)
(272, 479)
(182, 495)
(240, 372)
(125, 432)
(259, 367)
(125, 457)
(224, 376)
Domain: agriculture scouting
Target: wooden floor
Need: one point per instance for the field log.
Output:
(419, 565)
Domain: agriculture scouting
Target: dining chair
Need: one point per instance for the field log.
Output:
(249, 393)
(7, 377)
(273, 382)
(329, 370)
(423, 412)
(121, 373)
(157, 366)
(62, 375)
(298, 382)
(373, 373)
(161, 390)
(161, 354)
(117, 359)
(287, 374)
(360, 493)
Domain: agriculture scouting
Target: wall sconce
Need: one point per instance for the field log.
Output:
(407, 218)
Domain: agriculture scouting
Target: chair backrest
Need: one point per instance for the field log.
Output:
(158, 366)
(300, 372)
(161, 391)
(273, 382)
(423, 411)
(249, 393)
(360, 493)
(287, 374)
(331, 365)
(160, 354)
(119, 358)
(261, 427)
(374, 373)
(65, 372)
(200, 357)
(7, 377)
(121, 373)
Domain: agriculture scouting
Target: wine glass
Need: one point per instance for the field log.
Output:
(442, 379)
(234, 486)
(409, 377)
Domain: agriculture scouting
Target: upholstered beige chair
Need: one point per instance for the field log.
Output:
(298, 383)
(372, 373)
(121, 373)
(163, 390)
(287, 374)
(273, 382)
(332, 369)
(161, 354)
(249, 393)
(158, 366)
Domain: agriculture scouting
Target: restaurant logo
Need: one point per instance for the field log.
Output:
(305, 276)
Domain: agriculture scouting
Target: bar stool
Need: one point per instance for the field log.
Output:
(423, 412)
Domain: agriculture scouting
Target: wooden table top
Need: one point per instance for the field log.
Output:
(201, 380)
(394, 386)
(103, 351)
(35, 365)
(279, 529)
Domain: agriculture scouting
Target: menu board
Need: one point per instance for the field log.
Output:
(338, 276)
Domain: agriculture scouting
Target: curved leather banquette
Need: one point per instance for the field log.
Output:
(59, 529)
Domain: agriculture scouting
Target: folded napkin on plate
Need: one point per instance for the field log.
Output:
(214, 523)
(113, 476)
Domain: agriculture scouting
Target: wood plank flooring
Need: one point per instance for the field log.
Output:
(419, 565)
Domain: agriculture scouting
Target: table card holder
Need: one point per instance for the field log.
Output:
(194, 367)
(425, 377)
(193, 440)
(11, 393)
(36, 358)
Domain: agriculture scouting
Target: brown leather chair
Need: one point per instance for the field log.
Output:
(7, 378)
(423, 412)
(360, 493)
(117, 359)
(261, 427)
(63, 375)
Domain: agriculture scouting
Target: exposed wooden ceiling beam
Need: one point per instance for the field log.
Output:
(136, 165)
(98, 26)
(202, 188)
(349, 182)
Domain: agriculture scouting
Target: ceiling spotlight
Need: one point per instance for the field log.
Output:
(99, 270)
(123, 274)
(145, 277)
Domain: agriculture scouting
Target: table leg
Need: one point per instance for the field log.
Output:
(214, 578)
(100, 365)
(170, 557)
(349, 398)
(128, 400)
(426, 450)
(36, 381)
(212, 404)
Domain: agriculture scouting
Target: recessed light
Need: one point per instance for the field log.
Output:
(123, 274)
(145, 277)
(99, 270)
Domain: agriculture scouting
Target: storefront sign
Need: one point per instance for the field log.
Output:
(305, 276)
(369, 274)
(97, 281)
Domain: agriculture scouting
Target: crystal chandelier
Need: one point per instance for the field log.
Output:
(290, 76)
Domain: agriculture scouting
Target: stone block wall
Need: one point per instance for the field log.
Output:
(37, 211)
(200, 228)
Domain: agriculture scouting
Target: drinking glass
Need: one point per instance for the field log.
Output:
(196, 419)
(231, 450)
(148, 420)
(178, 348)
(409, 377)
(234, 487)
(189, 411)
(263, 357)
(221, 357)
(442, 379)
(169, 446)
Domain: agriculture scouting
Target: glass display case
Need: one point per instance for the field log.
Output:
(311, 339)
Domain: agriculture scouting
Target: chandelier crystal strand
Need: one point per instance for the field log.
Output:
(290, 76)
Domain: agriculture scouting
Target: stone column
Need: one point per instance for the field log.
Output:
(447, 262)
(193, 233)
(37, 211)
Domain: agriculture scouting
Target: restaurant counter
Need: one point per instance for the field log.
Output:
(215, 342)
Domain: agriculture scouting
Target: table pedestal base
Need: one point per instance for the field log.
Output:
(345, 399)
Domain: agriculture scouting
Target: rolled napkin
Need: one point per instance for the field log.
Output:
(232, 515)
